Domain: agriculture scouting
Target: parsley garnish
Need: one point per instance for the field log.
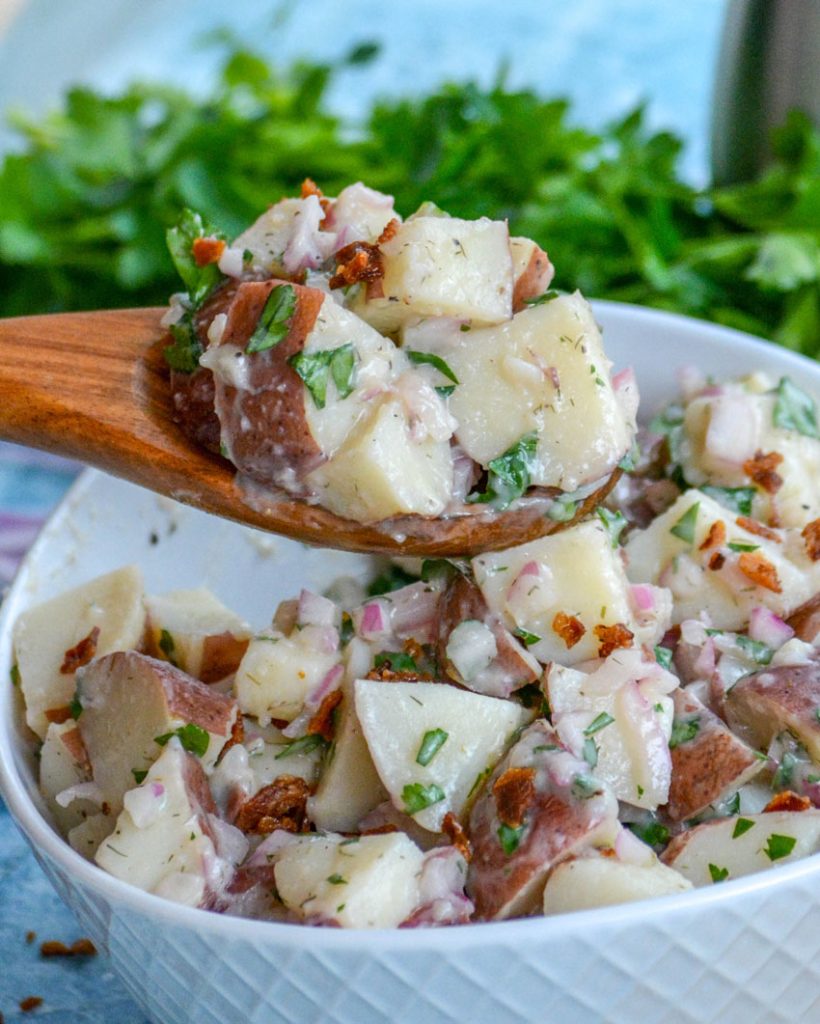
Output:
(166, 645)
(543, 298)
(304, 745)
(663, 656)
(795, 410)
(416, 797)
(778, 847)
(718, 874)
(438, 569)
(684, 528)
(760, 653)
(180, 239)
(683, 730)
(139, 775)
(785, 771)
(653, 833)
(590, 752)
(584, 786)
(614, 523)
(193, 738)
(316, 368)
(509, 474)
(274, 321)
(737, 499)
(430, 359)
(742, 825)
(184, 354)
(393, 578)
(431, 744)
(740, 545)
(397, 661)
(599, 722)
(75, 708)
(562, 510)
(510, 838)
(528, 638)
(14, 674)
(336, 879)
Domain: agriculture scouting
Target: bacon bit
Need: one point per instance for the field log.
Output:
(811, 535)
(310, 188)
(30, 937)
(607, 851)
(385, 674)
(322, 722)
(379, 830)
(414, 649)
(762, 470)
(30, 1003)
(281, 804)
(82, 947)
(58, 715)
(237, 736)
(359, 261)
(207, 250)
(79, 655)
(717, 561)
(568, 628)
(611, 638)
(514, 792)
(390, 229)
(715, 537)
(788, 800)
(451, 827)
(753, 526)
(759, 570)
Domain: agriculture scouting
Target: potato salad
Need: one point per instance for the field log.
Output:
(622, 710)
(384, 367)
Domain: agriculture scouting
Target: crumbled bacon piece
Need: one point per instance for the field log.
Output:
(79, 655)
(788, 800)
(811, 535)
(310, 188)
(569, 628)
(82, 947)
(762, 470)
(753, 526)
(717, 561)
(759, 570)
(207, 250)
(281, 804)
(390, 229)
(451, 827)
(716, 535)
(379, 830)
(414, 649)
(514, 792)
(322, 721)
(58, 715)
(30, 937)
(608, 851)
(610, 638)
(237, 736)
(385, 674)
(30, 1003)
(359, 261)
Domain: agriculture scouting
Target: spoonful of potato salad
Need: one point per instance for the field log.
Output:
(341, 376)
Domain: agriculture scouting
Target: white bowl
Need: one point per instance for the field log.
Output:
(743, 951)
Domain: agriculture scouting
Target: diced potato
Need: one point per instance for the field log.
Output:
(268, 237)
(442, 266)
(128, 700)
(726, 848)
(620, 717)
(380, 471)
(42, 636)
(705, 576)
(587, 882)
(278, 672)
(86, 837)
(460, 735)
(709, 762)
(543, 371)
(572, 575)
(362, 212)
(349, 787)
(778, 698)
(64, 764)
(361, 882)
(196, 632)
(532, 271)
(162, 841)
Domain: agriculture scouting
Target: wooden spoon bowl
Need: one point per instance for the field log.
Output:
(94, 387)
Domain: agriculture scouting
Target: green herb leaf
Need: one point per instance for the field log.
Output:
(614, 523)
(795, 410)
(184, 353)
(584, 786)
(398, 661)
(431, 744)
(75, 708)
(778, 847)
(139, 775)
(510, 838)
(739, 545)
(737, 499)
(684, 528)
(199, 281)
(416, 796)
(430, 359)
(760, 653)
(528, 638)
(543, 298)
(274, 321)
(663, 656)
(718, 874)
(782, 778)
(438, 569)
(393, 578)
(14, 674)
(653, 833)
(316, 368)
(683, 731)
(303, 745)
(193, 738)
(336, 879)
(742, 825)
(590, 752)
(561, 510)
(599, 722)
(509, 474)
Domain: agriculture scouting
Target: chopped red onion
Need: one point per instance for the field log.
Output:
(768, 628)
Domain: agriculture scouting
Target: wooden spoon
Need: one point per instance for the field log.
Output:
(94, 386)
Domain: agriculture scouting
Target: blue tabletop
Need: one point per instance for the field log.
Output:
(605, 54)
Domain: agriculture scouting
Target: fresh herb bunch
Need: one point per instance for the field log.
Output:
(85, 205)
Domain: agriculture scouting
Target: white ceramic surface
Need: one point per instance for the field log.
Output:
(743, 952)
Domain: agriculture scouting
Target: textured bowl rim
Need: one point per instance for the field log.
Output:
(45, 839)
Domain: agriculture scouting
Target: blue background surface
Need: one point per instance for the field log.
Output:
(606, 55)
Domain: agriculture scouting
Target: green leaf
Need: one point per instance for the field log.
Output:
(742, 825)
(336, 879)
(778, 847)
(737, 499)
(139, 775)
(653, 833)
(760, 653)
(795, 410)
(528, 638)
(199, 281)
(316, 368)
(14, 674)
(509, 474)
(663, 656)
(683, 731)
(782, 778)
(510, 838)
(614, 522)
(718, 874)
(75, 708)
(398, 661)
(543, 298)
(416, 796)
(430, 359)
(684, 528)
(590, 752)
(393, 578)
(438, 569)
(184, 353)
(302, 745)
(193, 738)
(599, 722)
(739, 545)
(274, 321)
(431, 744)
(584, 786)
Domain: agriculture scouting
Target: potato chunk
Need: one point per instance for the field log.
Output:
(128, 700)
(587, 882)
(43, 635)
(544, 371)
(63, 766)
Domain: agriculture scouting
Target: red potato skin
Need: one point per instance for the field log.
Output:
(805, 621)
(534, 280)
(773, 699)
(707, 768)
(221, 654)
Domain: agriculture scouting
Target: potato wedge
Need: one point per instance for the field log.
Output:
(586, 882)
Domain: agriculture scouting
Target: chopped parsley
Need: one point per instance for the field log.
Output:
(397, 661)
(416, 796)
(336, 879)
(184, 353)
(393, 578)
(785, 771)
(718, 874)
(199, 281)
(303, 745)
(736, 499)
(740, 545)
(479, 779)
(438, 569)
(347, 630)
(742, 825)
(543, 298)
(510, 838)
(683, 730)
(509, 474)
(684, 528)
(14, 674)
(430, 359)
(653, 833)
(562, 509)
(139, 775)
(760, 653)
(431, 744)
(528, 638)
(316, 368)
(795, 410)
(778, 847)
(193, 738)
(614, 523)
(590, 752)
(75, 708)
(663, 656)
(584, 786)
(166, 644)
(274, 322)
(599, 722)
